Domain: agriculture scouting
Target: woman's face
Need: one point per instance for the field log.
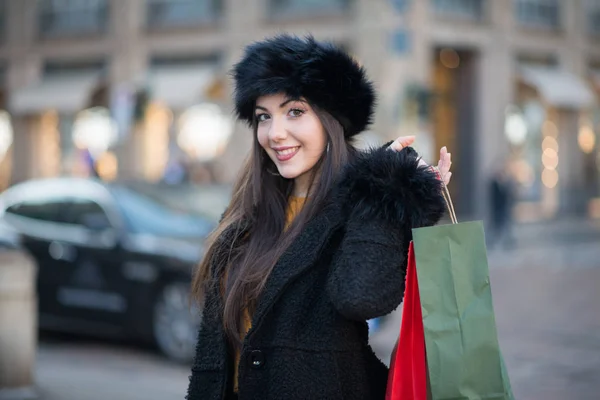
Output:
(292, 135)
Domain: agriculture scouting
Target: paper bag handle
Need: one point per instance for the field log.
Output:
(447, 198)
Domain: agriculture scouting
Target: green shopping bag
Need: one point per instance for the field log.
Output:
(464, 361)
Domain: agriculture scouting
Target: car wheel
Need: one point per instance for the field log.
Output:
(176, 322)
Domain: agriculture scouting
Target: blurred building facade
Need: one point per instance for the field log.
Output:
(510, 83)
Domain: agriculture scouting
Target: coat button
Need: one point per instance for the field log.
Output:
(257, 359)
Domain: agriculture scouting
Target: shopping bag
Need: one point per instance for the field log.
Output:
(407, 378)
(463, 356)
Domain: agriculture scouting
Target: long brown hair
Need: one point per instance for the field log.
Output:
(255, 221)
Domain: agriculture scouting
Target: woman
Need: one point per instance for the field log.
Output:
(315, 239)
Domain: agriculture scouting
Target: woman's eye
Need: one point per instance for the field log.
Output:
(296, 112)
(262, 117)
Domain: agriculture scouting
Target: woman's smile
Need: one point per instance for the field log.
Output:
(285, 153)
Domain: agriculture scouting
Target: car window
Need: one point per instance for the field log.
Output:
(41, 210)
(86, 213)
(145, 214)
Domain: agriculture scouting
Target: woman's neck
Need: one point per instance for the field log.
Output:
(301, 185)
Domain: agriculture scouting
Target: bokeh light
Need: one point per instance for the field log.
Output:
(107, 166)
(586, 139)
(449, 58)
(550, 178)
(550, 159)
(550, 143)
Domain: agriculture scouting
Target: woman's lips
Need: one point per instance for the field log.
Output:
(286, 154)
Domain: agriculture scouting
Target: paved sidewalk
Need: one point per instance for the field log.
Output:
(573, 243)
(565, 230)
(89, 370)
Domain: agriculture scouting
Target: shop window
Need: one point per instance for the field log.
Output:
(177, 84)
(3, 19)
(401, 6)
(474, 10)
(537, 60)
(538, 13)
(452, 105)
(72, 17)
(69, 67)
(401, 40)
(527, 124)
(589, 142)
(593, 12)
(182, 13)
(185, 60)
(3, 91)
(83, 80)
(293, 8)
(525, 129)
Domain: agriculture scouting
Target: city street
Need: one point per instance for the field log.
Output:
(128, 130)
(546, 301)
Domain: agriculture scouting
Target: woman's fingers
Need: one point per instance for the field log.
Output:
(402, 142)
(444, 165)
(406, 140)
(445, 161)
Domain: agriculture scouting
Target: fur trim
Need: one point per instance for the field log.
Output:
(319, 71)
(389, 185)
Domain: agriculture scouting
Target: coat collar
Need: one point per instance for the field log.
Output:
(298, 257)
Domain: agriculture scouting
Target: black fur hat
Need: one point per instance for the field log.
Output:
(319, 71)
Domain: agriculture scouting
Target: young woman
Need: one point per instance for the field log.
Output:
(315, 239)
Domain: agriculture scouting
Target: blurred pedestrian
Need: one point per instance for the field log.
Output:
(90, 162)
(315, 239)
(502, 200)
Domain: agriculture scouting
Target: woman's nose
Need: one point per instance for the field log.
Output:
(277, 130)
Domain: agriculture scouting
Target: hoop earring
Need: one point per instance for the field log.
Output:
(327, 150)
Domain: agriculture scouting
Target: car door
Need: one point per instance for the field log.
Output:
(96, 291)
(42, 234)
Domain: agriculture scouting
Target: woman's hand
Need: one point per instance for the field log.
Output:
(443, 164)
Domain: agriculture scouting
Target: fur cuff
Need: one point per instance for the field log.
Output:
(389, 185)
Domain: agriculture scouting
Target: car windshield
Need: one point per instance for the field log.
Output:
(145, 213)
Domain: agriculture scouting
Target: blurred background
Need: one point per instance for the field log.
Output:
(118, 147)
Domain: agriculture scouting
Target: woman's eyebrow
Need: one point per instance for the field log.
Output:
(289, 101)
(281, 105)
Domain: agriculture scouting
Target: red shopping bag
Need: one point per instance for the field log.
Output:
(407, 379)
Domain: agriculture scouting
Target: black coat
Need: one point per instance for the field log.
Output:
(309, 336)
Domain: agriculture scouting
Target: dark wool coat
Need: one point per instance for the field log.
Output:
(309, 336)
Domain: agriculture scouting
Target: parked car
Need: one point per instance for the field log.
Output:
(10, 239)
(113, 260)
